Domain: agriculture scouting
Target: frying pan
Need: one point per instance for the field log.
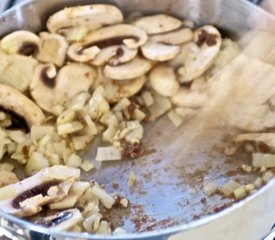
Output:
(168, 202)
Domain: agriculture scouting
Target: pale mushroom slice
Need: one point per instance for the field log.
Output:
(53, 49)
(133, 69)
(49, 88)
(163, 80)
(25, 198)
(202, 53)
(91, 16)
(117, 90)
(17, 71)
(64, 220)
(21, 42)
(159, 52)
(159, 23)
(176, 37)
(266, 138)
(86, 50)
(191, 99)
(114, 55)
(77, 53)
(14, 101)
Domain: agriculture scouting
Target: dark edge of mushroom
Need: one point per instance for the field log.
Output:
(18, 122)
(40, 189)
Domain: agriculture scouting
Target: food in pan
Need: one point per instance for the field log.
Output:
(94, 74)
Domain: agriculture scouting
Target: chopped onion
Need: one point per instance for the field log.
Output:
(68, 128)
(228, 188)
(104, 228)
(263, 160)
(258, 182)
(106, 199)
(36, 162)
(147, 98)
(210, 188)
(240, 192)
(175, 118)
(132, 179)
(249, 187)
(268, 176)
(108, 154)
(87, 166)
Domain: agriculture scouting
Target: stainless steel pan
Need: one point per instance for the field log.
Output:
(168, 202)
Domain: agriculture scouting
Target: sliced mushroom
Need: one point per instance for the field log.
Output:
(77, 53)
(186, 98)
(53, 49)
(117, 90)
(25, 198)
(18, 71)
(15, 102)
(61, 221)
(159, 51)
(50, 89)
(21, 42)
(74, 194)
(133, 69)
(266, 138)
(203, 52)
(159, 23)
(177, 37)
(91, 16)
(114, 55)
(163, 80)
(131, 36)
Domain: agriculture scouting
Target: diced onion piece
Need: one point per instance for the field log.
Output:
(247, 168)
(79, 101)
(122, 104)
(68, 128)
(87, 166)
(228, 188)
(258, 182)
(6, 166)
(17, 136)
(74, 161)
(67, 202)
(124, 202)
(185, 113)
(160, 106)
(132, 179)
(98, 106)
(249, 187)
(66, 117)
(268, 176)
(7, 178)
(210, 188)
(109, 134)
(81, 142)
(108, 154)
(147, 98)
(104, 228)
(175, 118)
(36, 162)
(37, 132)
(240, 192)
(263, 160)
(106, 199)
(138, 115)
(60, 173)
